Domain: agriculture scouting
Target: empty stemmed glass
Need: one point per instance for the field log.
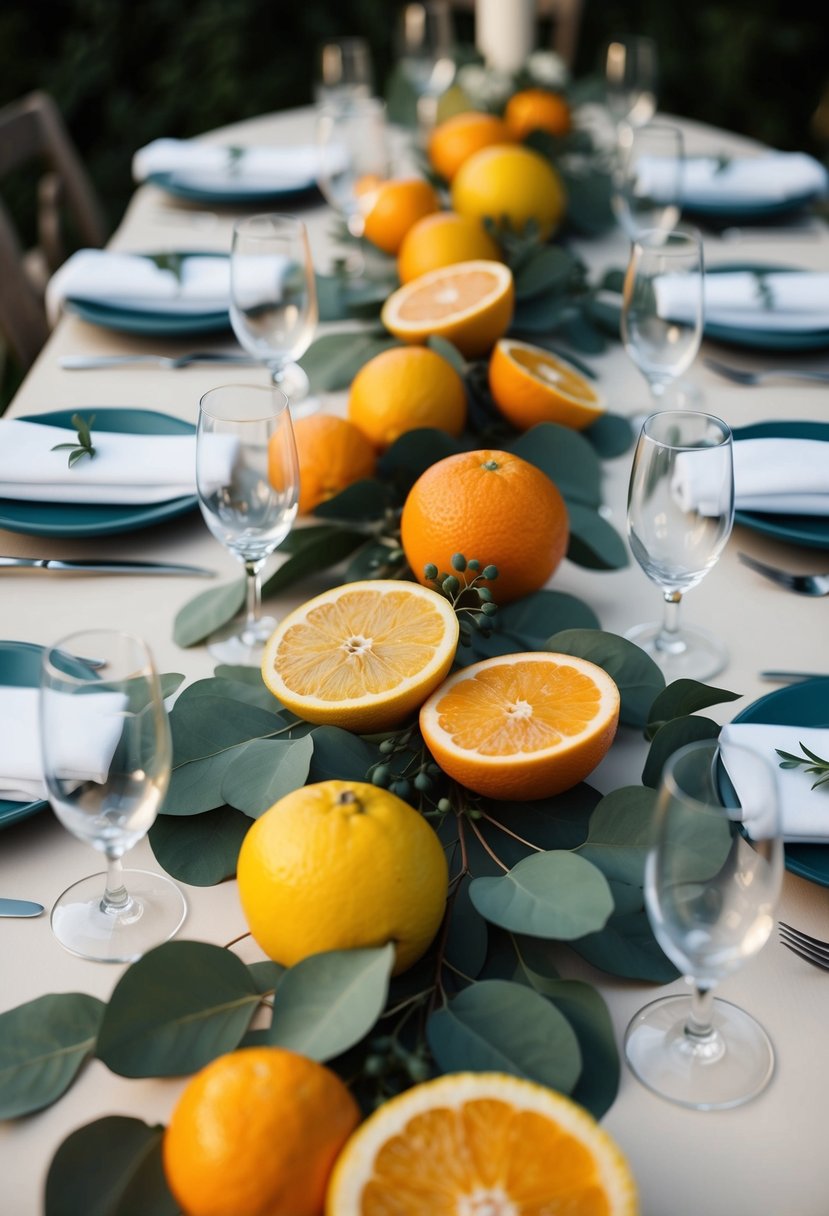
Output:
(425, 40)
(630, 70)
(353, 156)
(663, 305)
(646, 178)
(344, 70)
(679, 518)
(106, 750)
(247, 477)
(712, 879)
(273, 295)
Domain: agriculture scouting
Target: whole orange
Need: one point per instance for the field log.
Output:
(405, 388)
(452, 142)
(442, 240)
(257, 1132)
(393, 207)
(491, 506)
(537, 110)
(332, 453)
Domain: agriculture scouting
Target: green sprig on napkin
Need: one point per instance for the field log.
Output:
(83, 446)
(810, 761)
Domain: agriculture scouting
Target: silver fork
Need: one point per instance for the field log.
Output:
(803, 584)
(812, 949)
(741, 376)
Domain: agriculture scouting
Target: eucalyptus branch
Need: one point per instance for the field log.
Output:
(809, 761)
(496, 823)
(484, 845)
(83, 446)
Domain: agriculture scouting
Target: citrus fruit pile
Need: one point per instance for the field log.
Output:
(340, 865)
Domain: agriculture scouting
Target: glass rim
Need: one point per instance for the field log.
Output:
(271, 390)
(691, 236)
(248, 223)
(669, 781)
(727, 435)
(94, 674)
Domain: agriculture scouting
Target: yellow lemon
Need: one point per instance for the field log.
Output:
(512, 186)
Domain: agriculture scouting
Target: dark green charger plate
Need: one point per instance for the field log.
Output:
(758, 338)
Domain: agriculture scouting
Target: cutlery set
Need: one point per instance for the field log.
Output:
(740, 375)
(102, 566)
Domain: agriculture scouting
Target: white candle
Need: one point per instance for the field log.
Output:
(505, 32)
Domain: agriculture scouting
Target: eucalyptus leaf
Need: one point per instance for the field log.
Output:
(589, 1017)
(176, 1009)
(328, 1002)
(236, 674)
(549, 823)
(498, 1026)
(466, 938)
(414, 452)
(170, 682)
(637, 677)
(249, 691)
(362, 500)
(43, 1044)
(207, 612)
(580, 331)
(206, 725)
(555, 894)
(374, 560)
(546, 272)
(683, 697)
(321, 553)
(448, 351)
(669, 738)
(594, 543)
(540, 315)
(264, 771)
(606, 315)
(567, 459)
(340, 298)
(112, 1167)
(196, 787)
(340, 755)
(199, 850)
(332, 361)
(266, 975)
(530, 620)
(620, 833)
(589, 211)
(627, 947)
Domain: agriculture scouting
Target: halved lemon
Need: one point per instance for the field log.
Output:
(468, 303)
(531, 385)
(481, 1143)
(522, 725)
(363, 656)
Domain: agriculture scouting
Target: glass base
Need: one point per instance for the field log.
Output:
(154, 913)
(292, 380)
(238, 644)
(679, 395)
(692, 654)
(726, 1068)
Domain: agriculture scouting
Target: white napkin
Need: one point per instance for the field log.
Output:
(771, 177)
(780, 476)
(207, 166)
(785, 300)
(128, 469)
(804, 812)
(128, 280)
(87, 741)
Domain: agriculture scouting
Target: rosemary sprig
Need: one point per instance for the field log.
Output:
(83, 446)
(811, 762)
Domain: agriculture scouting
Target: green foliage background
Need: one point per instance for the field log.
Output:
(125, 72)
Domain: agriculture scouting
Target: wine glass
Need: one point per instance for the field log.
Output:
(353, 151)
(646, 179)
(106, 751)
(679, 517)
(712, 878)
(630, 71)
(344, 70)
(663, 305)
(273, 295)
(247, 476)
(425, 46)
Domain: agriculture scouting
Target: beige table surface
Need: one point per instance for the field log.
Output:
(768, 1158)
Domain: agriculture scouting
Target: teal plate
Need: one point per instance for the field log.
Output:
(20, 668)
(810, 530)
(98, 519)
(804, 704)
(764, 339)
(224, 195)
(748, 212)
(154, 324)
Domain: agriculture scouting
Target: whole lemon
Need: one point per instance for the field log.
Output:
(512, 186)
(257, 1131)
(443, 240)
(340, 865)
(405, 388)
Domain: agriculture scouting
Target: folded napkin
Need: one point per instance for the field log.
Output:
(779, 476)
(804, 812)
(128, 469)
(746, 299)
(197, 285)
(87, 740)
(211, 166)
(772, 177)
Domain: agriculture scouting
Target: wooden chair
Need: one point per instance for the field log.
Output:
(32, 132)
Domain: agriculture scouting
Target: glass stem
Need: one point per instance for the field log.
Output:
(253, 603)
(669, 637)
(116, 897)
(699, 1025)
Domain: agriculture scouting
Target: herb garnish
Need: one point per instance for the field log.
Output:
(811, 762)
(83, 446)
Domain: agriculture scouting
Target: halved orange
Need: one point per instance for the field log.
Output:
(522, 726)
(363, 656)
(468, 303)
(482, 1142)
(531, 385)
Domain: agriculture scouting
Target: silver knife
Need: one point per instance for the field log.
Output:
(19, 907)
(784, 677)
(87, 362)
(103, 566)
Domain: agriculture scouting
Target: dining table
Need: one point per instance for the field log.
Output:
(767, 1156)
